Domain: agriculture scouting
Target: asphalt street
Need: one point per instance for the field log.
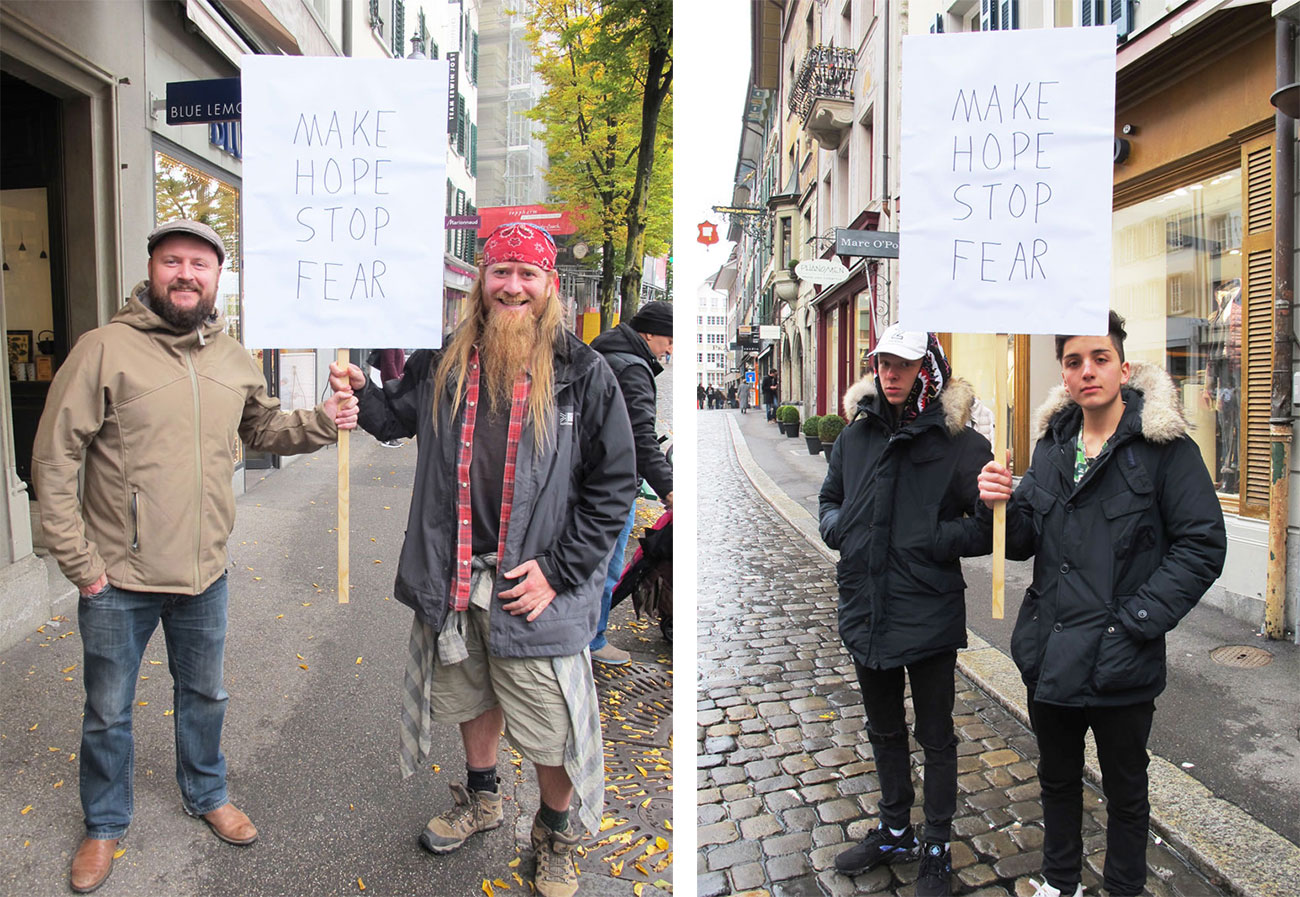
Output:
(312, 729)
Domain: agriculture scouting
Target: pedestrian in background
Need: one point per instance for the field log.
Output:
(634, 351)
(769, 394)
(1120, 516)
(731, 396)
(148, 407)
(899, 503)
(524, 473)
(700, 394)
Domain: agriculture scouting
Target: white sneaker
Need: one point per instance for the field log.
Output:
(1043, 889)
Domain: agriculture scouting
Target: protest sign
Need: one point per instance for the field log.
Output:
(1006, 149)
(344, 196)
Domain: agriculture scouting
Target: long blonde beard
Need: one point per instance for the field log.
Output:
(507, 345)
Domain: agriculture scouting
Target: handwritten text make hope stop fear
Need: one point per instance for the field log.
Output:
(1001, 163)
(342, 171)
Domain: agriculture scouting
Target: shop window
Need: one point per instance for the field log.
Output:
(1185, 311)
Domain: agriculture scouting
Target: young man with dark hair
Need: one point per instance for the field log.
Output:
(1119, 514)
(899, 503)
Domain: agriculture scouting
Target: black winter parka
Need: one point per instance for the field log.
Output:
(571, 498)
(899, 506)
(621, 347)
(1120, 558)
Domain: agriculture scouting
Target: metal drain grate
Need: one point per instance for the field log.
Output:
(1243, 656)
(636, 719)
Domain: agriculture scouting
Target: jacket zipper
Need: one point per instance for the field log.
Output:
(135, 521)
(198, 464)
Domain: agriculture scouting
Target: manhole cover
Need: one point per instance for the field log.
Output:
(636, 717)
(1245, 656)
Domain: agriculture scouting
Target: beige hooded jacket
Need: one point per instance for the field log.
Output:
(156, 416)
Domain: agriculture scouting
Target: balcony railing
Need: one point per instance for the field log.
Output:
(826, 73)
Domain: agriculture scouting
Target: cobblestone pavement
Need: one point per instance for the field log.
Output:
(786, 778)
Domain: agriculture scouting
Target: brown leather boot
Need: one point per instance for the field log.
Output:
(231, 825)
(91, 864)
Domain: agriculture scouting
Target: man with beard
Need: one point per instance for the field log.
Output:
(524, 473)
(153, 403)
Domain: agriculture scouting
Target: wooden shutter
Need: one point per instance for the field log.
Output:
(1257, 322)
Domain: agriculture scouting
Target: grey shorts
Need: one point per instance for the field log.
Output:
(525, 688)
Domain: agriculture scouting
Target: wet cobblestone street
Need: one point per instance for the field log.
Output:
(786, 778)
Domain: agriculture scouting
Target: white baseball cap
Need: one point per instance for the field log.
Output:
(907, 344)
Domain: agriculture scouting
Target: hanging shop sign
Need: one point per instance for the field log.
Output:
(201, 102)
(878, 244)
(823, 272)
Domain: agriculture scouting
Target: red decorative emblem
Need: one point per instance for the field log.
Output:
(708, 233)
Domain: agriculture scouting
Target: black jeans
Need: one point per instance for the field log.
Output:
(1121, 734)
(932, 696)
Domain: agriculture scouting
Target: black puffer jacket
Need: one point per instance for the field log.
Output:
(1118, 559)
(570, 501)
(621, 347)
(900, 508)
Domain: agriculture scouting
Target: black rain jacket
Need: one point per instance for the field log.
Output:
(899, 506)
(622, 347)
(570, 500)
(1120, 558)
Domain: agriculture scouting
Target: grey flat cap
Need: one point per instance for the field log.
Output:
(191, 229)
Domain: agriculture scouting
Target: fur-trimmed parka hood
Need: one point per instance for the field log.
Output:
(955, 400)
(1161, 414)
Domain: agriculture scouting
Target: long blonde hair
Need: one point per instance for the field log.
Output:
(541, 363)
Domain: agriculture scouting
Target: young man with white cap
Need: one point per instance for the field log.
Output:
(899, 503)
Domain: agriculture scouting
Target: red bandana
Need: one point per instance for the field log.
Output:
(517, 242)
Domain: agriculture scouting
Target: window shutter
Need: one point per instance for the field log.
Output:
(473, 58)
(1121, 13)
(937, 26)
(459, 251)
(989, 15)
(473, 149)
(399, 27)
(1257, 322)
(451, 206)
(460, 124)
(1010, 18)
(1085, 13)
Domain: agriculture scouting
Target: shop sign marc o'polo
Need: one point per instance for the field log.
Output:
(823, 272)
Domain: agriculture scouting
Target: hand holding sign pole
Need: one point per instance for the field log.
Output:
(1006, 146)
(342, 163)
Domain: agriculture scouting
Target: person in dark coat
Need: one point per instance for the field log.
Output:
(1120, 516)
(899, 502)
(769, 394)
(633, 351)
(700, 394)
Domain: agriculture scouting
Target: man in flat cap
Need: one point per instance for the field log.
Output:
(524, 473)
(151, 406)
(634, 350)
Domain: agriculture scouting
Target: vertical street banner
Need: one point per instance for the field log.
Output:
(1006, 148)
(344, 190)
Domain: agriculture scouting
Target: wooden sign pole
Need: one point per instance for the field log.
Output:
(999, 455)
(344, 498)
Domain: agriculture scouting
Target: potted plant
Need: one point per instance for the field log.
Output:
(811, 436)
(828, 430)
(788, 415)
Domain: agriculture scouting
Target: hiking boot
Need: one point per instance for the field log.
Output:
(476, 811)
(557, 875)
(935, 877)
(879, 847)
(611, 656)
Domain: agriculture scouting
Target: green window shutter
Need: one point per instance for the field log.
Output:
(399, 27)
(451, 205)
(460, 232)
(473, 58)
(460, 124)
(473, 149)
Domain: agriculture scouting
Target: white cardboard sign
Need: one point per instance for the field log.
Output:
(344, 193)
(1006, 149)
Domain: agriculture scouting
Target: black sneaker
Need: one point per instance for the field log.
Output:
(935, 877)
(880, 846)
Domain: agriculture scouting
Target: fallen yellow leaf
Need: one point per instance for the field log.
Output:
(377, 561)
(638, 888)
(156, 663)
(306, 604)
(361, 884)
(358, 660)
(279, 616)
(500, 884)
(33, 728)
(142, 703)
(302, 666)
(516, 877)
(487, 888)
(513, 863)
(168, 712)
(59, 783)
(54, 750)
(68, 669)
(25, 810)
(641, 869)
(257, 579)
(300, 657)
(121, 851)
(616, 869)
(661, 843)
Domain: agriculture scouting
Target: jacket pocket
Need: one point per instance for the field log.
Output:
(1024, 638)
(942, 580)
(1124, 662)
(1124, 516)
(135, 521)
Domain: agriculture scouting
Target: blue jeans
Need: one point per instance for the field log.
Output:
(115, 628)
(612, 576)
